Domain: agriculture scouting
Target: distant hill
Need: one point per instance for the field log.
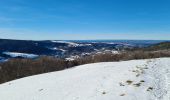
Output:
(66, 49)
(24, 46)
(159, 46)
(58, 48)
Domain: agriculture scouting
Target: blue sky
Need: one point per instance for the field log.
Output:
(85, 19)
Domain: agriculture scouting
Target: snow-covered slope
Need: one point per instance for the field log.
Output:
(17, 54)
(126, 80)
(72, 44)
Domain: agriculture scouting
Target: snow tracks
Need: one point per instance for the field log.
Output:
(159, 73)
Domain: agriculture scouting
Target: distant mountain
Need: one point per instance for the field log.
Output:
(65, 49)
(24, 46)
(159, 46)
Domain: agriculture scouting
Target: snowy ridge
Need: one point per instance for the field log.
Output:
(126, 80)
(72, 44)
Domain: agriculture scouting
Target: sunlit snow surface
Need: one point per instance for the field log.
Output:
(126, 80)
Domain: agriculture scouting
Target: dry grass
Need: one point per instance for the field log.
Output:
(137, 84)
(123, 94)
(142, 81)
(18, 68)
(129, 82)
(103, 92)
(150, 89)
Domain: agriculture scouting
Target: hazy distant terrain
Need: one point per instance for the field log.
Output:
(66, 49)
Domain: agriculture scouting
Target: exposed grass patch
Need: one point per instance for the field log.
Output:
(19, 68)
(103, 92)
(123, 94)
(149, 89)
(129, 82)
(142, 81)
(137, 84)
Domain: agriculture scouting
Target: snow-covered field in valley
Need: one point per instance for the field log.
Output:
(17, 54)
(127, 80)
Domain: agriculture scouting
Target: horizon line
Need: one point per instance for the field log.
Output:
(85, 39)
